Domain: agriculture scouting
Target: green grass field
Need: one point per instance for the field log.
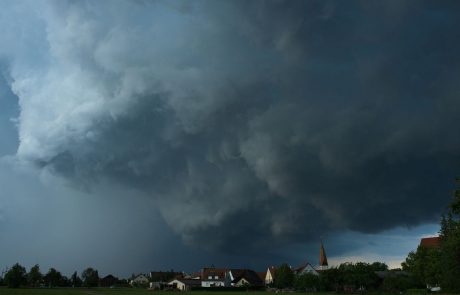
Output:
(129, 291)
(121, 291)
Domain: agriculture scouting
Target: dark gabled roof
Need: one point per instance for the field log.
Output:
(207, 272)
(431, 242)
(302, 267)
(262, 275)
(236, 272)
(251, 276)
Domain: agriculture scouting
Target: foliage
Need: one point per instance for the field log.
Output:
(284, 277)
(75, 280)
(307, 282)
(34, 277)
(450, 245)
(425, 265)
(440, 266)
(16, 276)
(398, 282)
(360, 275)
(330, 279)
(54, 278)
(90, 277)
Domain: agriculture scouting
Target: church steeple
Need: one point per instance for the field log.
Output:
(322, 257)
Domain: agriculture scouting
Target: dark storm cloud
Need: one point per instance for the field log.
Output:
(252, 122)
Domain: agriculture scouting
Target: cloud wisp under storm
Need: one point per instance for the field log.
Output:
(276, 121)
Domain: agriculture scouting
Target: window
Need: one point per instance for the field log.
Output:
(216, 277)
(209, 277)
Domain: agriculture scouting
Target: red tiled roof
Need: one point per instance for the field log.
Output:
(431, 242)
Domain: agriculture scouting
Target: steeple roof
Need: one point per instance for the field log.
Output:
(322, 256)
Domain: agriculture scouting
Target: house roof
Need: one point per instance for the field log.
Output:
(236, 272)
(213, 272)
(250, 276)
(262, 275)
(431, 242)
(108, 277)
(322, 256)
(301, 268)
(272, 270)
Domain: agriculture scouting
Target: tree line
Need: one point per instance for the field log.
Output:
(346, 277)
(440, 266)
(17, 276)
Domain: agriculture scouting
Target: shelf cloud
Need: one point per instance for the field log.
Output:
(256, 122)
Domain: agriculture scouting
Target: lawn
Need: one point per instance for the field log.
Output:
(121, 291)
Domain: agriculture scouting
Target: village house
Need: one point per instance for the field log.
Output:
(304, 269)
(214, 277)
(184, 284)
(108, 281)
(159, 279)
(246, 278)
(270, 275)
(140, 279)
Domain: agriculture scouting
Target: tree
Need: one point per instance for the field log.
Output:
(90, 277)
(16, 276)
(75, 280)
(53, 278)
(450, 245)
(284, 277)
(425, 265)
(34, 276)
(330, 279)
(307, 282)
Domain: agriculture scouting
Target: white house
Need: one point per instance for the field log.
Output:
(184, 284)
(139, 280)
(214, 277)
(270, 275)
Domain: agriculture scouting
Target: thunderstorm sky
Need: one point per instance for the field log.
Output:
(148, 135)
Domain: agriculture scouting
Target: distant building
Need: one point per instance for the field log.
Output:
(159, 279)
(247, 278)
(431, 242)
(184, 284)
(213, 277)
(139, 280)
(304, 269)
(108, 281)
(270, 275)
(322, 258)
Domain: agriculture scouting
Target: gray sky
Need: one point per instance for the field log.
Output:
(142, 135)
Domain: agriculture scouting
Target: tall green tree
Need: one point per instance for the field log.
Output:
(16, 276)
(34, 276)
(53, 278)
(307, 281)
(450, 245)
(284, 277)
(90, 277)
(75, 280)
(425, 265)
